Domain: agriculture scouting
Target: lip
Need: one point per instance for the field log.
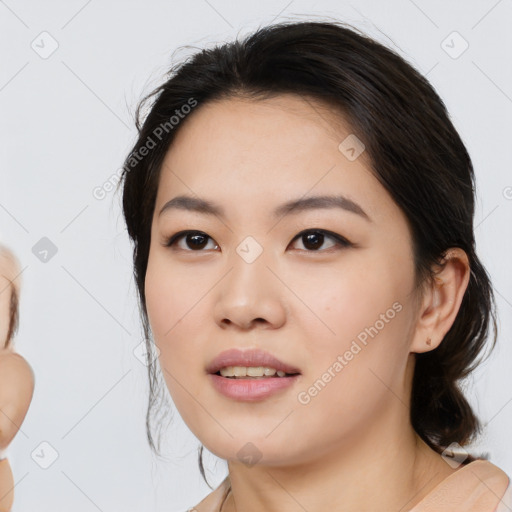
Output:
(249, 357)
(251, 390)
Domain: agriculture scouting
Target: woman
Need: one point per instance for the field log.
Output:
(301, 209)
(16, 375)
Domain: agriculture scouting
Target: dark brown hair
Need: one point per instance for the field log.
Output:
(415, 153)
(13, 305)
(14, 316)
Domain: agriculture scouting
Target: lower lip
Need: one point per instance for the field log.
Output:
(251, 390)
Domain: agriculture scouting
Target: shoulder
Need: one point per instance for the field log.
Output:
(213, 501)
(488, 476)
(500, 483)
(476, 487)
(505, 504)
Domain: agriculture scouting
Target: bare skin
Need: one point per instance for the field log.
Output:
(16, 376)
(351, 447)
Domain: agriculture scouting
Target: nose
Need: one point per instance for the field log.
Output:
(250, 295)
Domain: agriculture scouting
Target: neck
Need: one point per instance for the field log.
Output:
(392, 472)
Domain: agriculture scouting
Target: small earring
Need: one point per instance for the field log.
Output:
(429, 341)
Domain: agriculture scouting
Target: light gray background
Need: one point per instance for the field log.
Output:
(65, 127)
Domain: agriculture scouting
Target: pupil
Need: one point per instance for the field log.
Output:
(195, 243)
(310, 239)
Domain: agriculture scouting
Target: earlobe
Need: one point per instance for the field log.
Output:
(441, 301)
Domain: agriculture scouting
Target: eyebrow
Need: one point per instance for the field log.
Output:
(206, 207)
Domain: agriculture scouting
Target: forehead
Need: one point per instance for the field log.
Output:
(243, 120)
(267, 151)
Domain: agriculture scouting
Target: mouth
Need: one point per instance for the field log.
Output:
(253, 372)
(250, 375)
(252, 363)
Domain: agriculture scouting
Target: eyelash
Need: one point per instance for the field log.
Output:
(340, 241)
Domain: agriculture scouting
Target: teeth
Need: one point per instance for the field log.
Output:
(239, 371)
(251, 371)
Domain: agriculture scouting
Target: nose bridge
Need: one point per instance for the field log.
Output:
(250, 290)
(249, 263)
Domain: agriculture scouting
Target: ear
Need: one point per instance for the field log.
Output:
(441, 301)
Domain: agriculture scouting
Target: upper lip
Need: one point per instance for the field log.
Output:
(248, 357)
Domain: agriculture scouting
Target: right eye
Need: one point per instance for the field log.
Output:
(195, 240)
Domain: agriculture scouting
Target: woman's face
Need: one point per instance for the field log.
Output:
(341, 313)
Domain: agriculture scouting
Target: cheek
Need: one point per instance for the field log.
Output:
(166, 301)
(170, 297)
(176, 317)
(359, 330)
(340, 304)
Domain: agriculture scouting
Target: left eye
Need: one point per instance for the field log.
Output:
(315, 239)
(311, 239)
(194, 239)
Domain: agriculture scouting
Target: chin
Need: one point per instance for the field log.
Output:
(255, 450)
